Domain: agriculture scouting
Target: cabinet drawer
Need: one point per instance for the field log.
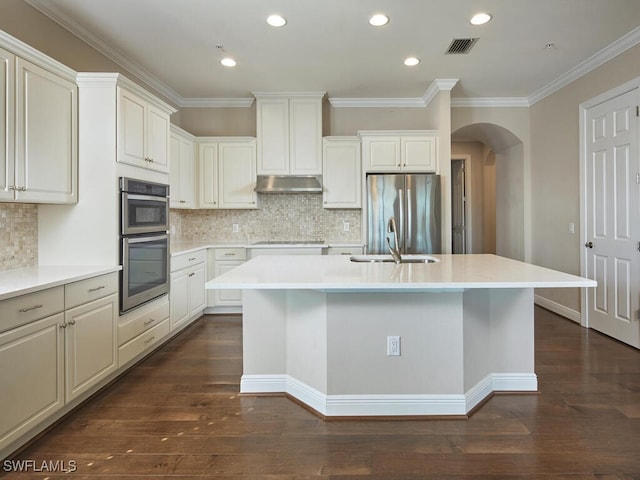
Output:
(230, 253)
(30, 307)
(185, 260)
(84, 291)
(345, 250)
(143, 342)
(143, 320)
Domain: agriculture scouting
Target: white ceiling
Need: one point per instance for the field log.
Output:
(327, 45)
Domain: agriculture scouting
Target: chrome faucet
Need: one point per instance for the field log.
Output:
(395, 251)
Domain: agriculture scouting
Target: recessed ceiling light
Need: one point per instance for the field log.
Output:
(411, 61)
(276, 21)
(228, 62)
(480, 18)
(378, 20)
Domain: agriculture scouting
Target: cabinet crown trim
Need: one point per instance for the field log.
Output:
(29, 53)
(288, 94)
(108, 79)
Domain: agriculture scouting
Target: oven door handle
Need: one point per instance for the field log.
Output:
(130, 196)
(146, 239)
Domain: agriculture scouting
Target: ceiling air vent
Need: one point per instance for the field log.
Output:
(461, 46)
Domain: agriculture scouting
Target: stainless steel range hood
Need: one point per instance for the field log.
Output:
(288, 183)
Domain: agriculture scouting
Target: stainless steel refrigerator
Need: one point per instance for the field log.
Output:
(414, 202)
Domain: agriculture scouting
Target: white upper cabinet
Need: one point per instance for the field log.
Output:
(341, 174)
(143, 130)
(38, 128)
(398, 151)
(289, 129)
(227, 167)
(182, 169)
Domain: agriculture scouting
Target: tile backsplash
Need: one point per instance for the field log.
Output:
(283, 216)
(18, 235)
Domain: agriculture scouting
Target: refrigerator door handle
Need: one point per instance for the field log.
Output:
(403, 219)
(409, 220)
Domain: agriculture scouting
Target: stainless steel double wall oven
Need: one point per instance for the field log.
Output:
(144, 242)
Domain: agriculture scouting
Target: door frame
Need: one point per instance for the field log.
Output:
(468, 204)
(584, 107)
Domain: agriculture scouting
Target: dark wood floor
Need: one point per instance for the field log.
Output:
(178, 415)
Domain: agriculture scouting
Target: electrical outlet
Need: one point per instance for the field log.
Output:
(345, 226)
(393, 346)
(236, 228)
(572, 228)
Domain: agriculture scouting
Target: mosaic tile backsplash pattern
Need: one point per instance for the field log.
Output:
(18, 235)
(297, 216)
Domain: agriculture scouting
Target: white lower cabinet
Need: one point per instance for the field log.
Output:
(222, 260)
(90, 344)
(187, 297)
(51, 356)
(31, 386)
(142, 329)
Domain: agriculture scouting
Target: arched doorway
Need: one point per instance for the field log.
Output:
(496, 188)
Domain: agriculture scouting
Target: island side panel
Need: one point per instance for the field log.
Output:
(478, 356)
(264, 341)
(499, 340)
(430, 327)
(512, 339)
(307, 339)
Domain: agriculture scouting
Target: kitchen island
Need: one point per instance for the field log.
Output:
(317, 328)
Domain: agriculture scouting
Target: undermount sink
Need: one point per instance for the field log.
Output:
(388, 258)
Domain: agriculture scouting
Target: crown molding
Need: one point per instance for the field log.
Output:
(109, 52)
(627, 41)
(479, 102)
(438, 85)
(376, 102)
(624, 43)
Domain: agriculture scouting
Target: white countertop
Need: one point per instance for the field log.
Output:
(180, 247)
(32, 279)
(338, 273)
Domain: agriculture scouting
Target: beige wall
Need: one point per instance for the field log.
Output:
(347, 121)
(481, 180)
(204, 122)
(556, 162)
(506, 131)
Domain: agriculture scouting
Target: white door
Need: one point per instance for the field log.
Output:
(458, 210)
(612, 217)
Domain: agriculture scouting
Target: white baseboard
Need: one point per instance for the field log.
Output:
(558, 308)
(389, 404)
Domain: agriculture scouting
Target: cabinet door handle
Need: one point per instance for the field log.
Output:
(148, 341)
(149, 322)
(64, 325)
(71, 322)
(191, 274)
(35, 307)
(97, 288)
(192, 259)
